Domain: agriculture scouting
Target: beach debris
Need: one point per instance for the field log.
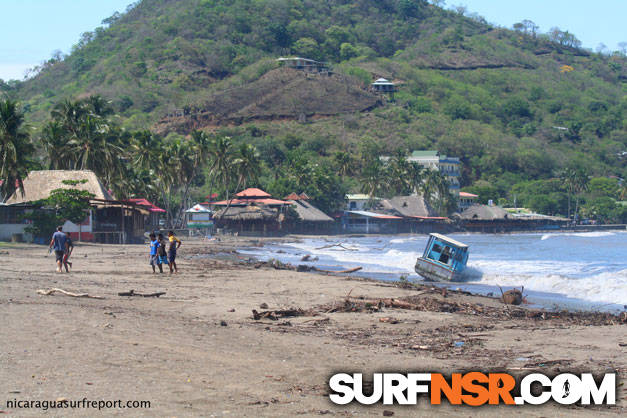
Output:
(388, 413)
(513, 296)
(389, 320)
(231, 310)
(65, 292)
(264, 305)
(145, 295)
(420, 347)
(282, 313)
(458, 343)
(309, 257)
(337, 272)
(223, 323)
(338, 245)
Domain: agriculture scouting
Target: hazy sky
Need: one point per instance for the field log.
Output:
(30, 30)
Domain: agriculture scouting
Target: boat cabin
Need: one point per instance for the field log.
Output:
(446, 251)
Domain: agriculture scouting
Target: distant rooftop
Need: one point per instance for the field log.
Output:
(358, 196)
(424, 154)
(382, 81)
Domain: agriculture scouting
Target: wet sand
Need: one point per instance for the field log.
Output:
(197, 351)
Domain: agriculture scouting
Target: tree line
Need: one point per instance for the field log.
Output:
(175, 171)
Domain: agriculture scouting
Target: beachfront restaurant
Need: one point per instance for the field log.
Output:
(309, 219)
(362, 221)
(107, 221)
(251, 212)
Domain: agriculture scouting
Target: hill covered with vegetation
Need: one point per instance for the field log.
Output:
(520, 108)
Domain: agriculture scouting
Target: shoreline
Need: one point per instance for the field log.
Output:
(197, 350)
(539, 299)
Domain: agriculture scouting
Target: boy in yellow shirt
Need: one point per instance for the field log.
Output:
(175, 244)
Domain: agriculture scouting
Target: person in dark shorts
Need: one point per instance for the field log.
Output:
(175, 244)
(162, 254)
(57, 243)
(154, 245)
(69, 247)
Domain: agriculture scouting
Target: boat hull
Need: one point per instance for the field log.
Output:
(434, 271)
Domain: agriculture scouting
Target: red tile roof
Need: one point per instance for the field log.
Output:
(253, 192)
(466, 194)
(236, 202)
(143, 202)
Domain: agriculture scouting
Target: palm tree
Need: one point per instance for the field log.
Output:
(345, 163)
(435, 189)
(247, 165)
(398, 171)
(54, 140)
(15, 148)
(416, 176)
(373, 178)
(221, 161)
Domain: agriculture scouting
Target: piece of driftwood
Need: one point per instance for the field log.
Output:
(65, 292)
(145, 295)
(337, 272)
(339, 245)
(280, 313)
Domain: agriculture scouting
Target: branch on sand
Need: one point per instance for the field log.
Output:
(337, 272)
(145, 295)
(65, 292)
(282, 313)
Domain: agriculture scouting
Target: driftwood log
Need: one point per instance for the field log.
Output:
(65, 292)
(281, 313)
(385, 303)
(145, 295)
(337, 272)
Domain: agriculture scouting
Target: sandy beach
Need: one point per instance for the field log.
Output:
(197, 351)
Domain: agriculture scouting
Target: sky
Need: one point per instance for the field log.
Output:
(31, 30)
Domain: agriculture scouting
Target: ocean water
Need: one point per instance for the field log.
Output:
(585, 270)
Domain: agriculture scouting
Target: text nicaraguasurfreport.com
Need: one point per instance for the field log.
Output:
(75, 404)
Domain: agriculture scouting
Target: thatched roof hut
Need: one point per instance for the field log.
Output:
(309, 213)
(484, 213)
(39, 184)
(408, 206)
(246, 214)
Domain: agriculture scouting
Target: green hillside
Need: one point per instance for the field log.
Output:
(516, 106)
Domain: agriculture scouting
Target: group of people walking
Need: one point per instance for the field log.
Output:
(158, 253)
(162, 251)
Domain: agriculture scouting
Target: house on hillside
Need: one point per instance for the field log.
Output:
(382, 85)
(305, 64)
(449, 167)
(107, 221)
(310, 219)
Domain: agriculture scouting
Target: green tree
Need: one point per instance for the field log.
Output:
(63, 204)
(307, 48)
(435, 189)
